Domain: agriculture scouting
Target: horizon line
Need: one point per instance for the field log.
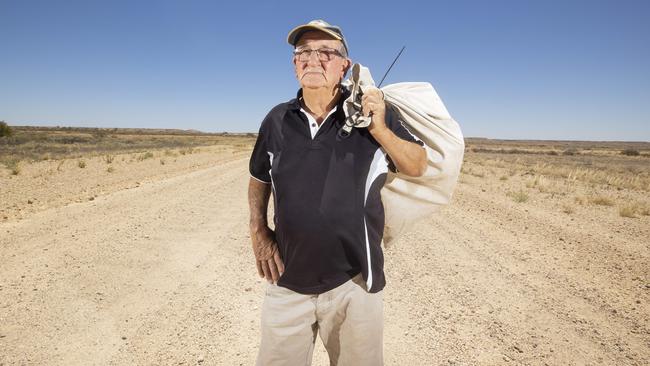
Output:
(193, 130)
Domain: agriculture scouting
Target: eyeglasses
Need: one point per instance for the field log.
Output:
(323, 54)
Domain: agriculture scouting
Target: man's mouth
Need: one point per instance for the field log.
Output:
(313, 72)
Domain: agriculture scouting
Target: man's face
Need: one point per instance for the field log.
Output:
(314, 73)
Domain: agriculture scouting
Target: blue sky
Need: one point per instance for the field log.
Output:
(576, 70)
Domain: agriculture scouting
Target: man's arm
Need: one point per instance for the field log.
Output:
(267, 258)
(409, 158)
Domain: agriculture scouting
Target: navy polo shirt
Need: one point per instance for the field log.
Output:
(328, 214)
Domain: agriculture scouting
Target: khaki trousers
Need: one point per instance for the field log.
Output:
(348, 319)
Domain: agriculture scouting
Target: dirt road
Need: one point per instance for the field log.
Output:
(162, 274)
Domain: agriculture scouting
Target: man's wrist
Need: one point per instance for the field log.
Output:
(258, 226)
(379, 131)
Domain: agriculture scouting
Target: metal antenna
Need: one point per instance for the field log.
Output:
(391, 66)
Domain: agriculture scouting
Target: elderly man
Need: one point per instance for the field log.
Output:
(323, 259)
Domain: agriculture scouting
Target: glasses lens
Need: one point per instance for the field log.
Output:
(303, 56)
(324, 55)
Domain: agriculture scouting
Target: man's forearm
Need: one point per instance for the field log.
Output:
(267, 258)
(258, 203)
(409, 158)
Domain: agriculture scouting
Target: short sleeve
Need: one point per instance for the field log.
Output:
(395, 124)
(260, 163)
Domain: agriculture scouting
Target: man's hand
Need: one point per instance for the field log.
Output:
(267, 257)
(372, 104)
(409, 158)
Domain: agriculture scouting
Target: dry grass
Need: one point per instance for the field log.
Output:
(14, 166)
(644, 209)
(520, 196)
(596, 176)
(629, 210)
(187, 151)
(581, 200)
(536, 182)
(601, 200)
(503, 148)
(546, 185)
(41, 143)
(588, 173)
(598, 163)
(568, 208)
(630, 152)
(632, 209)
(145, 156)
(473, 172)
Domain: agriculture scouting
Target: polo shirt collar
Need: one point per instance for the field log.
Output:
(295, 103)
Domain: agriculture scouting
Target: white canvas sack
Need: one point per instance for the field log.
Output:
(408, 199)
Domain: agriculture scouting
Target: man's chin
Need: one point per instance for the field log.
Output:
(312, 86)
(310, 83)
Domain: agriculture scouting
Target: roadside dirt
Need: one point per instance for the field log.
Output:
(160, 272)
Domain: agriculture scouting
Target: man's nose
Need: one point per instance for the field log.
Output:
(313, 59)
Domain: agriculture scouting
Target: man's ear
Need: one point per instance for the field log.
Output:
(347, 67)
(295, 71)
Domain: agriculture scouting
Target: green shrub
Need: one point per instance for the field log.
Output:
(5, 130)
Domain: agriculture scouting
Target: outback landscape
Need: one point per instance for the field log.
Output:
(131, 247)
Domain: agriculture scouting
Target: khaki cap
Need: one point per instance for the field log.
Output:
(320, 25)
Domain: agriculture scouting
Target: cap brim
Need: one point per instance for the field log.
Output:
(297, 32)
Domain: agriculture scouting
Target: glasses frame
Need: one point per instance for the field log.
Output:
(326, 52)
